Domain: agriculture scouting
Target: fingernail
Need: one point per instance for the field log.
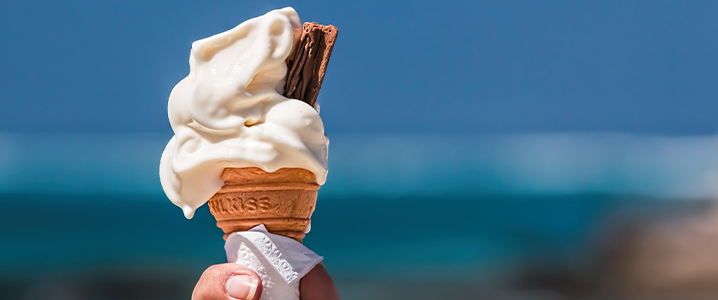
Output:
(242, 287)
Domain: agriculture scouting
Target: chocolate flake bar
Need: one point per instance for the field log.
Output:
(307, 64)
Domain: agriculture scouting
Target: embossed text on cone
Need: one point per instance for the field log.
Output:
(283, 201)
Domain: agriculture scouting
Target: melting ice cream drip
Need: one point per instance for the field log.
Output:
(229, 112)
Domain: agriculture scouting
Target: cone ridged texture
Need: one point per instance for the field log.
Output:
(282, 200)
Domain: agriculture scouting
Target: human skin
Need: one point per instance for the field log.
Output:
(232, 281)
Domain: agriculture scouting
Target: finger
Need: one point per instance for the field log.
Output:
(228, 281)
(318, 285)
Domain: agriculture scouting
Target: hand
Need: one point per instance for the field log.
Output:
(232, 281)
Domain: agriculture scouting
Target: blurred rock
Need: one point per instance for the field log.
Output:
(111, 283)
(671, 255)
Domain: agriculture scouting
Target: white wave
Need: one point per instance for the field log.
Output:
(538, 164)
(80, 163)
(569, 163)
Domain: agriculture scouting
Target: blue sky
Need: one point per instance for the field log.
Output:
(398, 67)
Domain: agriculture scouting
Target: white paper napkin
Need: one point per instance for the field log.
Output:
(280, 261)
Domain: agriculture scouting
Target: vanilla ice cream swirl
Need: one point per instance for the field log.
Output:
(229, 112)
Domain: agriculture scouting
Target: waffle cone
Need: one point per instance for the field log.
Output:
(282, 200)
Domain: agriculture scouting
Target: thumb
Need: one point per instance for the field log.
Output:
(228, 281)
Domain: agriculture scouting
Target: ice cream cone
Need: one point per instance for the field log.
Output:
(282, 200)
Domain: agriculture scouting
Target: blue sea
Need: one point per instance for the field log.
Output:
(421, 217)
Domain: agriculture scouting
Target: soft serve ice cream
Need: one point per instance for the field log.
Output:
(229, 112)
